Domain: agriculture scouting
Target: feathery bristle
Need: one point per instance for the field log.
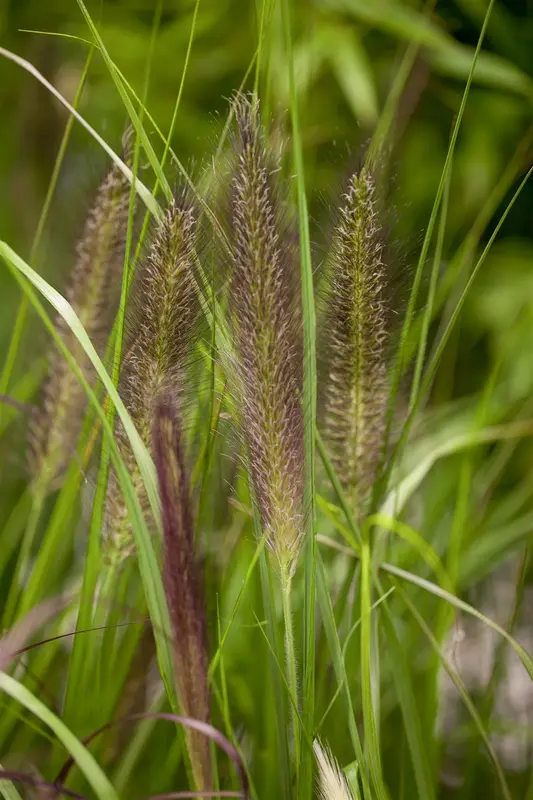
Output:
(182, 582)
(332, 784)
(356, 330)
(165, 304)
(93, 293)
(266, 313)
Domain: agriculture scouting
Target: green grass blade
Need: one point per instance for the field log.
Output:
(18, 265)
(332, 636)
(277, 677)
(427, 313)
(144, 112)
(466, 251)
(22, 391)
(309, 407)
(405, 691)
(402, 679)
(461, 605)
(141, 133)
(444, 53)
(435, 360)
(372, 747)
(351, 632)
(182, 84)
(142, 191)
(13, 529)
(409, 315)
(8, 790)
(400, 494)
(417, 542)
(432, 366)
(52, 185)
(11, 357)
(218, 652)
(386, 118)
(462, 691)
(85, 761)
(332, 475)
(438, 196)
(148, 565)
(136, 746)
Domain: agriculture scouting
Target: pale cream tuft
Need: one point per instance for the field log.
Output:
(332, 784)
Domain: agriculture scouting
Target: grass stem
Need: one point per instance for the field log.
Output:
(290, 658)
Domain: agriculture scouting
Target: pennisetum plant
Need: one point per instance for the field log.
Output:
(356, 391)
(93, 292)
(162, 316)
(356, 333)
(265, 308)
(182, 581)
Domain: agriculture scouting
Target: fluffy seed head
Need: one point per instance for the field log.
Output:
(266, 313)
(93, 293)
(332, 784)
(356, 331)
(163, 314)
(182, 582)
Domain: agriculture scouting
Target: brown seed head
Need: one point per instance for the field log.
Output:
(356, 331)
(93, 293)
(266, 313)
(163, 314)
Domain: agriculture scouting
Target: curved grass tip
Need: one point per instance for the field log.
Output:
(265, 308)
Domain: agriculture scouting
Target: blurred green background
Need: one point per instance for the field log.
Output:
(347, 53)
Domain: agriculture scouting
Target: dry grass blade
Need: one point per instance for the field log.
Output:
(266, 313)
(163, 313)
(356, 332)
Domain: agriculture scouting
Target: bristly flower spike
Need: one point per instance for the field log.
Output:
(162, 315)
(93, 293)
(331, 782)
(182, 582)
(266, 312)
(356, 331)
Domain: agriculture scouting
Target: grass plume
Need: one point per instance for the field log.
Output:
(183, 582)
(332, 784)
(356, 333)
(165, 308)
(93, 292)
(266, 312)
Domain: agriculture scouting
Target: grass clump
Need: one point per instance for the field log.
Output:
(326, 635)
